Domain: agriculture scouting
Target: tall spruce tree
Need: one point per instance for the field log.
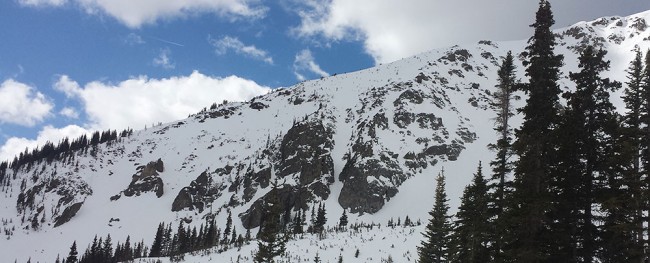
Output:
(586, 146)
(72, 255)
(500, 185)
(633, 136)
(530, 202)
(645, 156)
(435, 247)
(472, 228)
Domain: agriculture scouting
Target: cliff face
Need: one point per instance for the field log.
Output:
(368, 141)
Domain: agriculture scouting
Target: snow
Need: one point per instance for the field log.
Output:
(198, 145)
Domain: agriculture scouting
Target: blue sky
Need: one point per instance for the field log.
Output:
(72, 66)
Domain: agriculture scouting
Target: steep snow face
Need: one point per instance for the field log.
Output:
(369, 141)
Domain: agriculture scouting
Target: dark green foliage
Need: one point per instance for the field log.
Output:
(585, 147)
(156, 247)
(321, 220)
(471, 237)
(500, 185)
(72, 256)
(343, 220)
(530, 203)
(437, 233)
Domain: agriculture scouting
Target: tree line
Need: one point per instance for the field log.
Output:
(580, 185)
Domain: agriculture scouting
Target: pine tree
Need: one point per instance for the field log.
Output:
(634, 101)
(501, 166)
(530, 202)
(471, 236)
(271, 243)
(585, 148)
(434, 249)
(226, 231)
(645, 150)
(343, 221)
(72, 256)
(321, 220)
(298, 223)
(156, 247)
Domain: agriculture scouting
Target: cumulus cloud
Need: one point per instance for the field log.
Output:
(142, 101)
(134, 14)
(394, 29)
(21, 104)
(163, 60)
(228, 43)
(69, 113)
(16, 145)
(305, 62)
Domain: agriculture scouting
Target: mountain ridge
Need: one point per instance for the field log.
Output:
(380, 135)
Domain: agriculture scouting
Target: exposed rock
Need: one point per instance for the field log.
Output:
(290, 197)
(305, 152)
(258, 105)
(147, 180)
(200, 193)
(366, 186)
(67, 214)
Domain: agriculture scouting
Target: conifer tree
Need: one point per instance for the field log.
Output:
(434, 249)
(585, 150)
(530, 201)
(156, 247)
(471, 236)
(72, 256)
(645, 141)
(321, 220)
(343, 221)
(501, 165)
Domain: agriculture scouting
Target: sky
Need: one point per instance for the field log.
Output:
(68, 67)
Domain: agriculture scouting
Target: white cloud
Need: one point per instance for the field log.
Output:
(70, 113)
(21, 104)
(163, 60)
(305, 62)
(16, 145)
(394, 29)
(135, 13)
(38, 3)
(133, 39)
(227, 43)
(142, 101)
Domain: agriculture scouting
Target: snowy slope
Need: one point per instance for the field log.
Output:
(381, 135)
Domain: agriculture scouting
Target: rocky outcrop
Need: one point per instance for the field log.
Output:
(367, 185)
(67, 214)
(200, 193)
(146, 180)
(289, 197)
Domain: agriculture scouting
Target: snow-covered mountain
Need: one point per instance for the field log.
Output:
(370, 142)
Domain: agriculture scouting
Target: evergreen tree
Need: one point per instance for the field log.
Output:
(271, 243)
(634, 101)
(343, 221)
(471, 235)
(321, 220)
(585, 148)
(530, 202)
(298, 223)
(645, 150)
(156, 247)
(434, 249)
(501, 166)
(72, 256)
(226, 231)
